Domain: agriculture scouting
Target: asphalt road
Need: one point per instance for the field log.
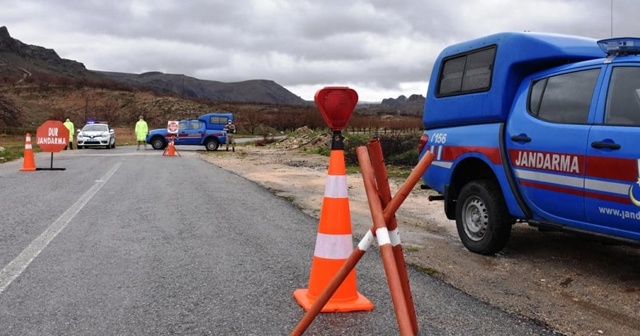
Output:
(127, 242)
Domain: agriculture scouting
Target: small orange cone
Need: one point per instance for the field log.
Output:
(28, 162)
(170, 150)
(334, 244)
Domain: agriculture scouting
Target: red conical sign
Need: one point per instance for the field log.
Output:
(336, 104)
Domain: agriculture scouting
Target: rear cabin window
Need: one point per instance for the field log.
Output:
(467, 73)
(195, 124)
(623, 97)
(218, 120)
(564, 98)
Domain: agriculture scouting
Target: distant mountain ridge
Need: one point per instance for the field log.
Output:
(23, 62)
(20, 61)
(251, 91)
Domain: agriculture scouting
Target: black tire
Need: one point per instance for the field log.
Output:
(158, 142)
(211, 144)
(79, 147)
(482, 218)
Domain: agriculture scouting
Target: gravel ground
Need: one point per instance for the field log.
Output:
(572, 285)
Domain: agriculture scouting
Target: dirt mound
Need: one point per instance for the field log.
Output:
(306, 138)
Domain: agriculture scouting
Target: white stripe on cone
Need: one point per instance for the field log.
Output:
(336, 186)
(333, 246)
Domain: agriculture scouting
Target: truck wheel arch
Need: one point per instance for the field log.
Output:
(211, 143)
(158, 142)
(482, 219)
(469, 169)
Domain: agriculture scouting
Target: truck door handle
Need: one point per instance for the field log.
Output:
(604, 145)
(521, 138)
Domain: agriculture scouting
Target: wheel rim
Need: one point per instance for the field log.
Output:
(476, 218)
(157, 144)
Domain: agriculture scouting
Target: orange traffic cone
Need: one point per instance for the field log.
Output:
(170, 150)
(334, 244)
(28, 162)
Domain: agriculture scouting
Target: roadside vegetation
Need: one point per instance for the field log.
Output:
(26, 106)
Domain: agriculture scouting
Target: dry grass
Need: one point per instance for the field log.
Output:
(12, 146)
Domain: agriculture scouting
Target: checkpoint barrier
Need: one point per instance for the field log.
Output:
(390, 249)
(336, 105)
(28, 161)
(171, 149)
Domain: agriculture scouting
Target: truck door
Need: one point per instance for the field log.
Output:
(546, 138)
(612, 198)
(190, 133)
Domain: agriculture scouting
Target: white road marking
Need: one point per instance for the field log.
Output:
(22, 261)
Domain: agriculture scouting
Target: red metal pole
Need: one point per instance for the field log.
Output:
(384, 242)
(380, 170)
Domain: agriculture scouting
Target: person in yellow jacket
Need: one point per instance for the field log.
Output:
(69, 125)
(141, 132)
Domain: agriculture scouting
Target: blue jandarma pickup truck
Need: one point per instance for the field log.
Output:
(536, 128)
(207, 131)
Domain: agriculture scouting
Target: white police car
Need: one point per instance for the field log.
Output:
(96, 135)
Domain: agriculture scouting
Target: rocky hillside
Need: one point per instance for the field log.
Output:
(252, 91)
(22, 62)
(36, 84)
(19, 61)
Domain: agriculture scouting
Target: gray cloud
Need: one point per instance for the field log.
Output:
(380, 48)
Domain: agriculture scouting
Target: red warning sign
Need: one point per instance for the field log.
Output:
(52, 136)
(172, 126)
(336, 104)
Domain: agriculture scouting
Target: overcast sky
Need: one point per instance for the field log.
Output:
(380, 48)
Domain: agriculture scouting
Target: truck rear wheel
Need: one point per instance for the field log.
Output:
(211, 144)
(482, 219)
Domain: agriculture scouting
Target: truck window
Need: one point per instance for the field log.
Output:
(195, 124)
(218, 120)
(623, 97)
(467, 73)
(564, 98)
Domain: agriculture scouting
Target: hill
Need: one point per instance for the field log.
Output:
(251, 91)
(22, 62)
(36, 84)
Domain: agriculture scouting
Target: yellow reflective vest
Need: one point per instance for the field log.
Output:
(141, 130)
(69, 125)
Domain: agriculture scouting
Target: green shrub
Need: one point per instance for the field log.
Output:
(397, 149)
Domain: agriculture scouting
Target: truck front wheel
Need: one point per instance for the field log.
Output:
(158, 142)
(211, 144)
(482, 219)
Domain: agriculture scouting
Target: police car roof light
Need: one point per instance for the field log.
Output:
(620, 46)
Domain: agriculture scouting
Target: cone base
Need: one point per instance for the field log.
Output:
(360, 303)
(170, 151)
(28, 169)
